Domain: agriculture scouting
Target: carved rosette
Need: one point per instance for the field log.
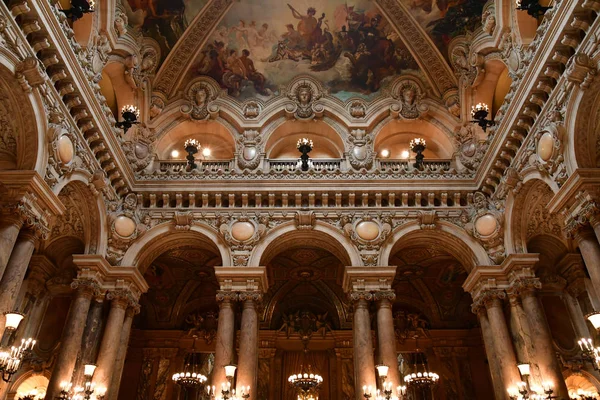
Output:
(357, 109)
(359, 147)
(249, 149)
(251, 109)
(304, 92)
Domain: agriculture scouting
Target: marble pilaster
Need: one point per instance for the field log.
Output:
(544, 356)
(72, 335)
(247, 371)
(109, 346)
(224, 341)
(11, 281)
(115, 382)
(362, 341)
(386, 336)
(493, 362)
(503, 347)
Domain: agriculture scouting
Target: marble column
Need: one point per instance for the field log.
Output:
(545, 356)
(577, 317)
(225, 337)
(522, 338)
(70, 343)
(11, 281)
(90, 339)
(107, 355)
(493, 362)
(386, 336)
(364, 364)
(503, 347)
(9, 231)
(115, 382)
(248, 359)
(590, 251)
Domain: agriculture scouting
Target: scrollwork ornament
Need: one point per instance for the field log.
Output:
(376, 232)
(389, 295)
(486, 225)
(88, 287)
(251, 230)
(250, 296)
(249, 149)
(360, 149)
(526, 286)
(227, 296)
(304, 93)
(358, 295)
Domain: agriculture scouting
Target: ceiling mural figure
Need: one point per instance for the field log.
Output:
(256, 49)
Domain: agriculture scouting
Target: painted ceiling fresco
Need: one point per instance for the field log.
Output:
(260, 45)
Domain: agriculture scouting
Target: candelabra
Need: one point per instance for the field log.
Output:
(418, 146)
(305, 146)
(479, 114)
(78, 8)
(533, 7)
(85, 392)
(191, 147)
(11, 357)
(227, 392)
(589, 353)
(130, 116)
(33, 394)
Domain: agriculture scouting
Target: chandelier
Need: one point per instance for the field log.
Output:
(306, 384)
(422, 378)
(11, 357)
(190, 377)
(589, 352)
(85, 392)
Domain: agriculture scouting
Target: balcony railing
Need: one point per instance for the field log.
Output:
(292, 165)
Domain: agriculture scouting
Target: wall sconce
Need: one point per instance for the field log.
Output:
(594, 318)
(479, 114)
(130, 116)
(78, 8)
(533, 7)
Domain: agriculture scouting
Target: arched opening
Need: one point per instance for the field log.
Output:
(33, 385)
(494, 87)
(212, 135)
(179, 316)
(430, 307)
(392, 141)
(281, 144)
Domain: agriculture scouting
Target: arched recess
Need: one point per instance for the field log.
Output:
(429, 281)
(211, 134)
(322, 235)
(83, 207)
(116, 88)
(396, 134)
(495, 85)
(165, 237)
(22, 134)
(582, 149)
(456, 240)
(527, 216)
(281, 143)
(28, 381)
(582, 383)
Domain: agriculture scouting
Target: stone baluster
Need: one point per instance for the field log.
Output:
(72, 334)
(544, 354)
(224, 343)
(109, 346)
(115, 382)
(11, 281)
(503, 347)
(248, 360)
(364, 363)
(386, 336)
(488, 342)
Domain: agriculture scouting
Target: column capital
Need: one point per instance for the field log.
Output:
(226, 297)
(384, 297)
(28, 191)
(250, 297)
(526, 287)
(86, 287)
(122, 298)
(492, 298)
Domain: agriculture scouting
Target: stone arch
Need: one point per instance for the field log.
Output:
(22, 139)
(165, 237)
(285, 234)
(457, 241)
(582, 147)
(526, 215)
(29, 380)
(93, 209)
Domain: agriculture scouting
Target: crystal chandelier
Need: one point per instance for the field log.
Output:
(306, 382)
(422, 378)
(11, 357)
(190, 377)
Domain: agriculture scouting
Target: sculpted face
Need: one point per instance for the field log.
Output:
(304, 95)
(409, 95)
(200, 97)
